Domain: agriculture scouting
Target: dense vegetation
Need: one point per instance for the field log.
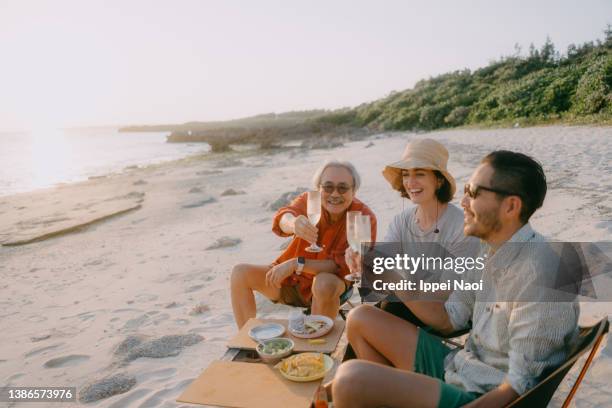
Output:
(542, 86)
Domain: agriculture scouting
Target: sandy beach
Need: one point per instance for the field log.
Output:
(140, 292)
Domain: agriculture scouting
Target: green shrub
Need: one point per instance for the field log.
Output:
(593, 91)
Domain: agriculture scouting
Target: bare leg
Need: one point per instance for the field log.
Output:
(367, 331)
(364, 384)
(326, 291)
(246, 278)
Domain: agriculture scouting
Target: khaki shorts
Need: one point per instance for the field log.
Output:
(290, 295)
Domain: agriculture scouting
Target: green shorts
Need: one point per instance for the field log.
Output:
(429, 360)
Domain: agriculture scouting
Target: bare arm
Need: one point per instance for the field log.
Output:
(499, 397)
(431, 312)
(278, 273)
(316, 266)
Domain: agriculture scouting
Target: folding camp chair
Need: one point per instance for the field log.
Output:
(590, 338)
(540, 395)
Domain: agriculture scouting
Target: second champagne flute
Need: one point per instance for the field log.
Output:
(364, 236)
(352, 238)
(313, 210)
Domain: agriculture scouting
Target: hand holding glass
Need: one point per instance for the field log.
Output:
(313, 210)
(362, 234)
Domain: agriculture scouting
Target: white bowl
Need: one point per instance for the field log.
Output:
(274, 358)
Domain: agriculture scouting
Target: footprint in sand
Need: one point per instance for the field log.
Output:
(163, 373)
(14, 377)
(146, 297)
(129, 399)
(194, 288)
(41, 350)
(66, 361)
(158, 398)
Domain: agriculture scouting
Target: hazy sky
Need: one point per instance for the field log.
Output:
(72, 63)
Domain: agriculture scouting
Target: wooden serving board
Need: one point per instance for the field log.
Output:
(243, 341)
(236, 384)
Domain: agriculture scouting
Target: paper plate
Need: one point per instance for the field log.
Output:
(266, 331)
(329, 324)
(328, 363)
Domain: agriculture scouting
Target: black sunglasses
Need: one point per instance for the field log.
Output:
(473, 191)
(341, 188)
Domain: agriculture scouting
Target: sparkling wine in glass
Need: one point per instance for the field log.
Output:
(352, 238)
(364, 236)
(313, 210)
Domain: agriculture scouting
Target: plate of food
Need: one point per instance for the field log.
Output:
(305, 367)
(266, 331)
(314, 326)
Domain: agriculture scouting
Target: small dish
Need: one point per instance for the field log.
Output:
(272, 351)
(266, 331)
(314, 326)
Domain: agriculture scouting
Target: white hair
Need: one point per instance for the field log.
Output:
(316, 179)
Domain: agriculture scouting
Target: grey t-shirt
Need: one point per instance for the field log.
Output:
(450, 238)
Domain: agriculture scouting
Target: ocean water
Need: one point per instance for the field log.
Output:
(40, 159)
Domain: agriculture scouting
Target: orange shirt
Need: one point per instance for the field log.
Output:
(332, 237)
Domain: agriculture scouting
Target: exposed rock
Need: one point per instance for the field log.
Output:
(286, 198)
(39, 338)
(199, 203)
(199, 309)
(131, 195)
(224, 242)
(64, 361)
(134, 347)
(321, 144)
(232, 192)
(208, 172)
(106, 387)
(229, 163)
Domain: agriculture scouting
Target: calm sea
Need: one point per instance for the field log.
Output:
(30, 161)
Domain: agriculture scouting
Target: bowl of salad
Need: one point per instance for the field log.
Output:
(272, 351)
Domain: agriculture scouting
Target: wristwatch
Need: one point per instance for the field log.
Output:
(301, 262)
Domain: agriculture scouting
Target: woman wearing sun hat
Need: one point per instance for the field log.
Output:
(431, 222)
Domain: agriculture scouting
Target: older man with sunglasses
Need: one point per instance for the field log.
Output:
(297, 277)
(518, 332)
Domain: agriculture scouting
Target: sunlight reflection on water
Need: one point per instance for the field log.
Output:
(45, 157)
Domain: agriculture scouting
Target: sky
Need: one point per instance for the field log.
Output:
(94, 63)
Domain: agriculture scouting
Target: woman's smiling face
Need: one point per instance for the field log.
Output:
(420, 184)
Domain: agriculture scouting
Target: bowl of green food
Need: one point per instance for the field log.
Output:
(272, 351)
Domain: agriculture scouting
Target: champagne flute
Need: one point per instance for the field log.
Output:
(313, 210)
(364, 235)
(352, 238)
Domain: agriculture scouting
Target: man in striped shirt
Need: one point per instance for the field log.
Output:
(518, 332)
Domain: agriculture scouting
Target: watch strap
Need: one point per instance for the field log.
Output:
(301, 262)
